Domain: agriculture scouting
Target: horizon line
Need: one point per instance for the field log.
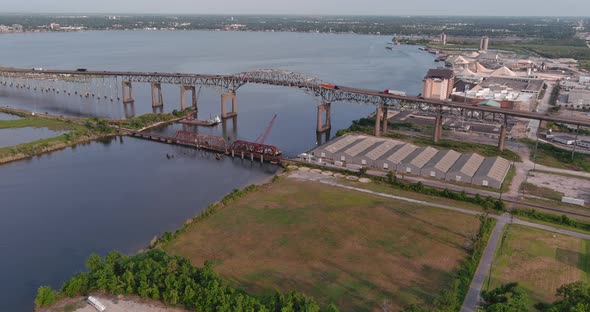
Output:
(286, 14)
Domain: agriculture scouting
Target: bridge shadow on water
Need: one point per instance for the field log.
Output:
(214, 159)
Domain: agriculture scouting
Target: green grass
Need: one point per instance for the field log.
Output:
(552, 156)
(539, 261)
(78, 133)
(556, 205)
(38, 122)
(382, 187)
(345, 247)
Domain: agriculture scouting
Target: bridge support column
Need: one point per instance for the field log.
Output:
(127, 97)
(183, 89)
(385, 113)
(324, 109)
(234, 105)
(502, 139)
(157, 97)
(326, 137)
(437, 128)
(378, 114)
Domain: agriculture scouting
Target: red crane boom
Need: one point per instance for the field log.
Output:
(262, 138)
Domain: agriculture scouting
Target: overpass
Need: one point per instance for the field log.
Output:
(102, 85)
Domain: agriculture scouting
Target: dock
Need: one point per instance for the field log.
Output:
(216, 144)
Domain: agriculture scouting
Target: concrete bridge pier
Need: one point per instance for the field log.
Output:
(129, 109)
(326, 137)
(234, 105)
(127, 97)
(233, 135)
(385, 123)
(157, 97)
(324, 111)
(378, 116)
(438, 121)
(183, 89)
(503, 133)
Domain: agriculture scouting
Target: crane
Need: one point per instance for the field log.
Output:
(262, 137)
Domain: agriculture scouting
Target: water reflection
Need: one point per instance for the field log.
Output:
(113, 194)
(16, 136)
(4, 116)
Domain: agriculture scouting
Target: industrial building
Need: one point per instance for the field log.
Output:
(464, 168)
(491, 172)
(438, 84)
(579, 98)
(417, 160)
(438, 166)
(509, 92)
(405, 158)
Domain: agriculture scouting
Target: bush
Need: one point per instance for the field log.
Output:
(487, 203)
(551, 218)
(45, 296)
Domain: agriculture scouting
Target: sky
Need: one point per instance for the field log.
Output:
(306, 7)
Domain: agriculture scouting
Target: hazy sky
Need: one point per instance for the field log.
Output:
(347, 7)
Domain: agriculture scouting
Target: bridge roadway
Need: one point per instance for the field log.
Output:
(328, 93)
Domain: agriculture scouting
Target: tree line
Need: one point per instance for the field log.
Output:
(174, 281)
(574, 297)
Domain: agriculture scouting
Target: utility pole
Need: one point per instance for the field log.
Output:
(575, 143)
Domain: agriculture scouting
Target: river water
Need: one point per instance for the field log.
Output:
(56, 209)
(11, 137)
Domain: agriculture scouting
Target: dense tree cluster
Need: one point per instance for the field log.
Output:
(574, 297)
(509, 297)
(173, 280)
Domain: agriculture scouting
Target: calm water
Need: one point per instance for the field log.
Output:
(15, 136)
(58, 208)
(354, 60)
(4, 116)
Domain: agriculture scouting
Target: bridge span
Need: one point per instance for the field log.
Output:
(104, 85)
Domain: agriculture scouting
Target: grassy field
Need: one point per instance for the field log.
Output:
(78, 133)
(383, 187)
(349, 248)
(540, 261)
(36, 122)
(555, 157)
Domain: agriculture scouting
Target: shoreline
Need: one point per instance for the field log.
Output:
(57, 146)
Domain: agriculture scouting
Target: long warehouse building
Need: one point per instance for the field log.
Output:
(393, 155)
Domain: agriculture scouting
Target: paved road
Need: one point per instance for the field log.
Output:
(485, 264)
(543, 107)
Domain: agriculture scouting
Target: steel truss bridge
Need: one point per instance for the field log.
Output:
(104, 85)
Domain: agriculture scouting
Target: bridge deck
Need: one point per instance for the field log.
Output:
(282, 78)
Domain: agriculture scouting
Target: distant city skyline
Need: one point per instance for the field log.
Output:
(305, 7)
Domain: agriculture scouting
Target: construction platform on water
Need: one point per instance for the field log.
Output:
(243, 149)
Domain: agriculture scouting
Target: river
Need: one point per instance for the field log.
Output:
(58, 208)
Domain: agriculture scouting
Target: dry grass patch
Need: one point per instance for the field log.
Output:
(345, 247)
(540, 261)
